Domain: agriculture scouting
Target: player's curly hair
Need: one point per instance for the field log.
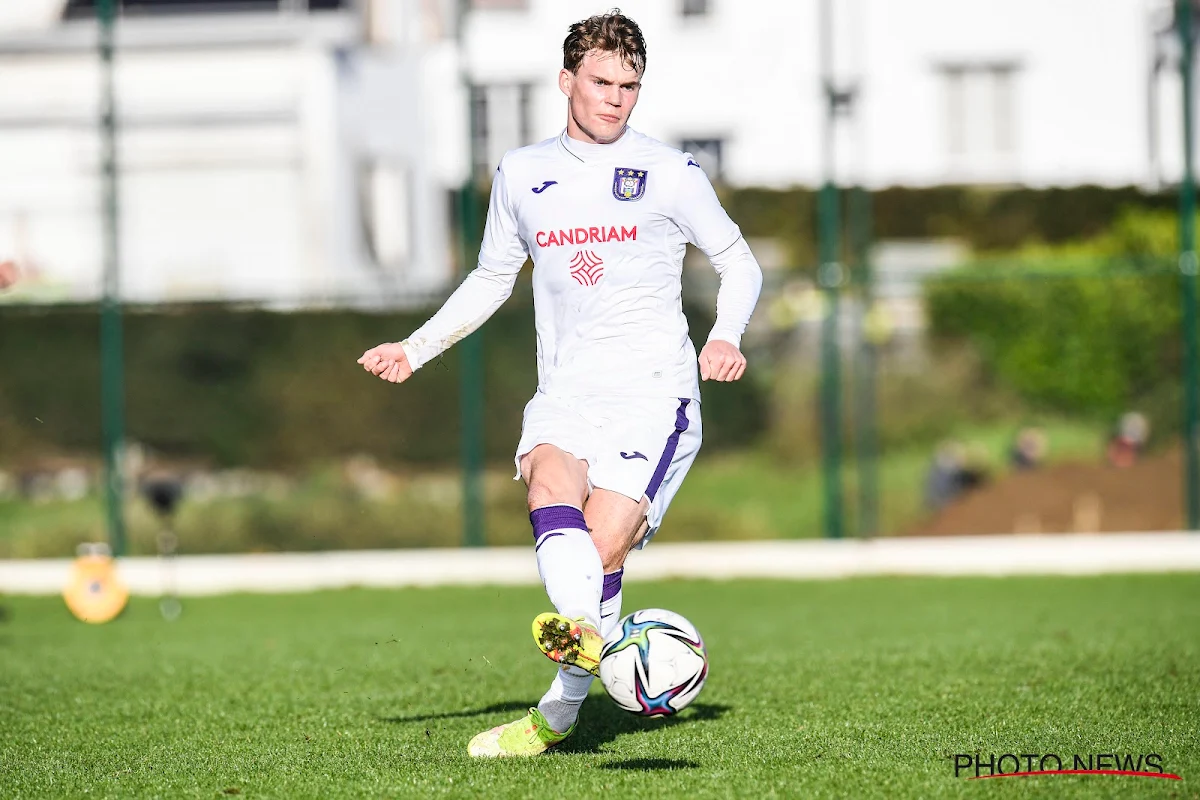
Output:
(609, 33)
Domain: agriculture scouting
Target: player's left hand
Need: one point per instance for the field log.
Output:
(721, 361)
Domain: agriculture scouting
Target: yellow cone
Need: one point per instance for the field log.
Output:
(94, 593)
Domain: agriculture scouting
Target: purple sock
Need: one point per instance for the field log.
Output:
(610, 603)
(550, 521)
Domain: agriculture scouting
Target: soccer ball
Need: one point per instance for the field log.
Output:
(654, 663)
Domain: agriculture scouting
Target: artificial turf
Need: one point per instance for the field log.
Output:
(817, 689)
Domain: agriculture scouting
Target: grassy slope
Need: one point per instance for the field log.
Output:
(743, 495)
(841, 689)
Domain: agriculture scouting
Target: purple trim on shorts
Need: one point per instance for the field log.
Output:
(612, 585)
(556, 518)
(660, 472)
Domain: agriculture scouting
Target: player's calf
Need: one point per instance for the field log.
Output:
(616, 523)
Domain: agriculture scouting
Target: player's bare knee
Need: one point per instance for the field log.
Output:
(553, 477)
(532, 462)
(547, 489)
(541, 495)
(553, 490)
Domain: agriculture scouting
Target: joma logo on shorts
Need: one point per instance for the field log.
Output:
(586, 236)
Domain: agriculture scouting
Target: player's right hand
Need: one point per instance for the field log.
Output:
(387, 361)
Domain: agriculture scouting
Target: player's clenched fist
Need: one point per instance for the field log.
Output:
(388, 361)
(721, 361)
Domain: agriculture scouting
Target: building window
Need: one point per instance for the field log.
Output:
(707, 153)
(980, 115)
(499, 123)
(76, 9)
(693, 8)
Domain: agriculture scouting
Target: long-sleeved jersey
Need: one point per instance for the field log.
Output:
(606, 226)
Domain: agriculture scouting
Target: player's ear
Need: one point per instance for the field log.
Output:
(565, 80)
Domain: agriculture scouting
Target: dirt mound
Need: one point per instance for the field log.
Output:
(1071, 497)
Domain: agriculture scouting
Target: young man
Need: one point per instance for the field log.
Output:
(605, 213)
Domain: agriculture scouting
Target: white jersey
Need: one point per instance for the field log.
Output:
(606, 226)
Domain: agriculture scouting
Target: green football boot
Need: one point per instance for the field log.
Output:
(528, 736)
(570, 642)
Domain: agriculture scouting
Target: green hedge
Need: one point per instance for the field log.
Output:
(256, 388)
(987, 220)
(1085, 344)
(1088, 327)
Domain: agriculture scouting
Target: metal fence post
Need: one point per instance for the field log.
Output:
(471, 389)
(1187, 270)
(112, 378)
(829, 276)
(471, 380)
(865, 408)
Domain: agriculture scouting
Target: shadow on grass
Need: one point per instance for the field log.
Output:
(495, 708)
(643, 764)
(601, 722)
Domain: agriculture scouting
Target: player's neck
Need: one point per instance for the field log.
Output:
(577, 135)
(584, 146)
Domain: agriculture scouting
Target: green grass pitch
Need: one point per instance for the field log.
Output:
(858, 688)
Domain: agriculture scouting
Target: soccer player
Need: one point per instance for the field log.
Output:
(606, 213)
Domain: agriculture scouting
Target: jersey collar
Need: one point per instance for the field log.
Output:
(590, 153)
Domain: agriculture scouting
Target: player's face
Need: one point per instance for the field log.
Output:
(600, 97)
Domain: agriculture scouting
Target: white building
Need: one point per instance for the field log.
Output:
(946, 91)
(305, 151)
(279, 151)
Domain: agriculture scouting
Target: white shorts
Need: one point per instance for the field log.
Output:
(635, 446)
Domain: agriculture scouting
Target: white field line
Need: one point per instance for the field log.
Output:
(1043, 554)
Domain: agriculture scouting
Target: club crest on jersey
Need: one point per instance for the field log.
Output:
(629, 184)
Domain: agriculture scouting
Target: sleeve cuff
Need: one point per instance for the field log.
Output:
(411, 354)
(734, 339)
